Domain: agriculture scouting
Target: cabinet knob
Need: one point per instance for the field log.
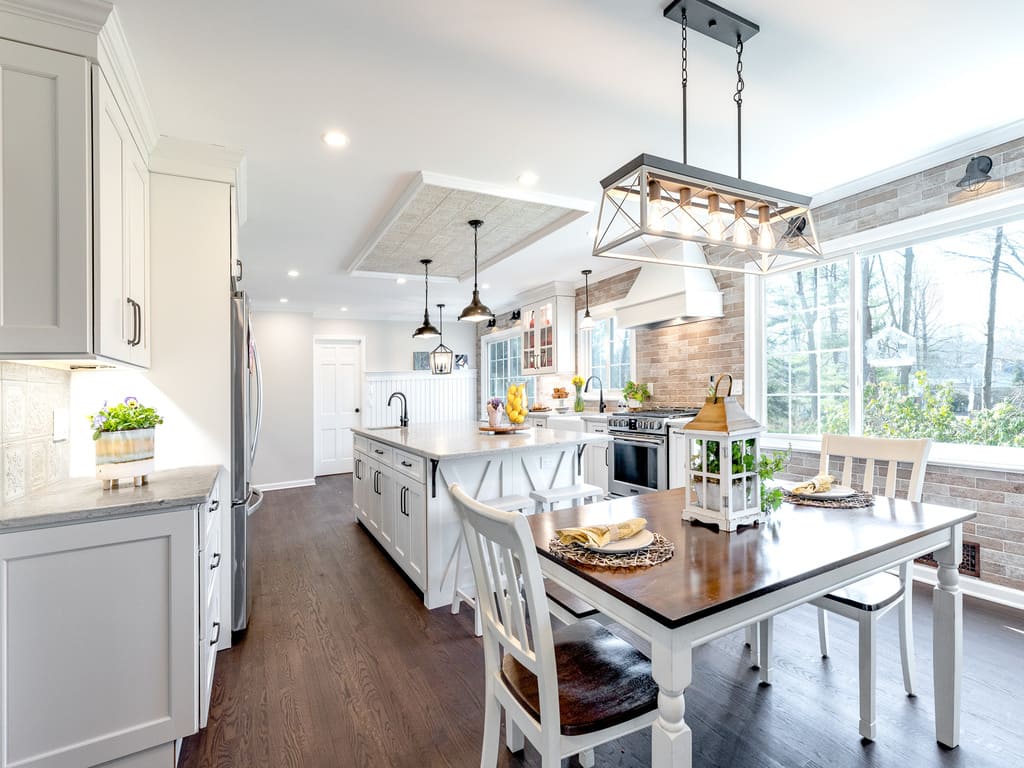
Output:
(215, 505)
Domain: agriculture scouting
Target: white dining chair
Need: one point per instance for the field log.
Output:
(566, 690)
(866, 601)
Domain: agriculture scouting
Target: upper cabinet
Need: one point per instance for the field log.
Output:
(121, 235)
(74, 208)
(45, 229)
(548, 336)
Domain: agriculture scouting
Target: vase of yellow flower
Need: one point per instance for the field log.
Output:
(577, 406)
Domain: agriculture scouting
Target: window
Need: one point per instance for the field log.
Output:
(936, 328)
(610, 355)
(503, 365)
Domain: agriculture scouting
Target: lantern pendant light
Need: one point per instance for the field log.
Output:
(476, 311)
(441, 358)
(587, 321)
(427, 330)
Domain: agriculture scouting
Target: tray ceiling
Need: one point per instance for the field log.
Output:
(430, 222)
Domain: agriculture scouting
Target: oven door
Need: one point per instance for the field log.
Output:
(638, 464)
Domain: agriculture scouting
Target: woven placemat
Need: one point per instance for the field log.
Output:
(659, 551)
(859, 499)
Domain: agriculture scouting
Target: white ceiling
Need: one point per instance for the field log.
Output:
(570, 89)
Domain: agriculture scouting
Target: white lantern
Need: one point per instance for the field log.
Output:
(722, 452)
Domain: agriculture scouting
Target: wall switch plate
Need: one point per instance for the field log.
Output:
(737, 387)
(60, 425)
(650, 388)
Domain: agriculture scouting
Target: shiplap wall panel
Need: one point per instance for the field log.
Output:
(432, 399)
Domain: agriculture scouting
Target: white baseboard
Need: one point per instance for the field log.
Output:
(996, 593)
(287, 484)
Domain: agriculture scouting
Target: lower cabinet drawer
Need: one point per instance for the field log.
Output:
(213, 561)
(381, 452)
(208, 648)
(409, 464)
(361, 443)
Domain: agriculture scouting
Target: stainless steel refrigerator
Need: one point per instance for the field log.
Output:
(246, 415)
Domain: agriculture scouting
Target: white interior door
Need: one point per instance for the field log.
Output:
(337, 382)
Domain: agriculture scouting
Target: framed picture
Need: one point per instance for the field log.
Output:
(461, 362)
(421, 361)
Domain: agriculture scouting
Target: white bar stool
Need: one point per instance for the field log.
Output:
(579, 493)
(510, 503)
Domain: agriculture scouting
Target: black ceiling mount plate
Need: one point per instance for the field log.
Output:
(712, 20)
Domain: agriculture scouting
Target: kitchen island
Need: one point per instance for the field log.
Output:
(400, 488)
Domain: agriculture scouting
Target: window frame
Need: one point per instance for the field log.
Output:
(953, 220)
(485, 367)
(583, 350)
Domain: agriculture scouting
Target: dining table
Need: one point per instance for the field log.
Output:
(717, 582)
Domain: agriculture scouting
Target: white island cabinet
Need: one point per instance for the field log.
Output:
(401, 478)
(109, 619)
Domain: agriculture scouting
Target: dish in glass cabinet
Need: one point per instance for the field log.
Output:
(640, 541)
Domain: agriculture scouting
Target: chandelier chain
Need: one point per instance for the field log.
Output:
(738, 98)
(685, 77)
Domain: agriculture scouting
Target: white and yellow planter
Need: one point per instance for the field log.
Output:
(123, 455)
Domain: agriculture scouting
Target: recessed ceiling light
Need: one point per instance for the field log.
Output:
(293, 273)
(528, 178)
(344, 309)
(335, 139)
(284, 300)
(485, 286)
(400, 281)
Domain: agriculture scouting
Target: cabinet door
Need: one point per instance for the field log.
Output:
(373, 498)
(596, 458)
(402, 527)
(387, 497)
(45, 251)
(416, 519)
(360, 486)
(676, 457)
(136, 192)
(99, 635)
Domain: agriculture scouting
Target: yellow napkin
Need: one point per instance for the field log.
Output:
(601, 535)
(817, 484)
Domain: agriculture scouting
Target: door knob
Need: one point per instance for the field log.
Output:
(357, 410)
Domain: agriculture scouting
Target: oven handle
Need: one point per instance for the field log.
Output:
(620, 438)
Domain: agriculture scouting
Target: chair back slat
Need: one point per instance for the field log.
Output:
(871, 450)
(510, 596)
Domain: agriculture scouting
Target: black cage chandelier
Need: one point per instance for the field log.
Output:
(652, 207)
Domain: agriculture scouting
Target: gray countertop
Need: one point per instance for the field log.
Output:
(83, 499)
(456, 441)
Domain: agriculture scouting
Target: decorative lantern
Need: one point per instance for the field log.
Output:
(722, 451)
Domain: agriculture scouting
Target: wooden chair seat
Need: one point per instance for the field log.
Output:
(575, 606)
(511, 503)
(871, 594)
(603, 681)
(551, 496)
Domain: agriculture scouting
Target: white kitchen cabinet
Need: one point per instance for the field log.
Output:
(676, 457)
(45, 229)
(100, 635)
(121, 234)
(361, 486)
(537, 419)
(595, 457)
(212, 619)
(411, 531)
(549, 336)
(387, 501)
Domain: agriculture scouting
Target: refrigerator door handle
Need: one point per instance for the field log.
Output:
(259, 398)
(254, 502)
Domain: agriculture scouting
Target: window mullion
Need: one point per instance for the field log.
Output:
(856, 372)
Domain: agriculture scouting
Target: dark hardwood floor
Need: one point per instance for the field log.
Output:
(342, 666)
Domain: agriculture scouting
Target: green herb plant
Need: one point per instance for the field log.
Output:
(743, 461)
(130, 414)
(634, 391)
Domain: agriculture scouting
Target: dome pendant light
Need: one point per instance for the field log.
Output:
(441, 358)
(476, 311)
(427, 330)
(587, 321)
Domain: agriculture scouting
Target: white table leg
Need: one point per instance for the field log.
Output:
(765, 631)
(947, 640)
(672, 667)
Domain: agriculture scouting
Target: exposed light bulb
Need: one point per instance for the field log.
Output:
(688, 222)
(765, 236)
(716, 225)
(657, 209)
(740, 227)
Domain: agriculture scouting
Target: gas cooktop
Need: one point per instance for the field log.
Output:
(652, 422)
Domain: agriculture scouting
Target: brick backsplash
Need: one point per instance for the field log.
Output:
(29, 458)
(997, 497)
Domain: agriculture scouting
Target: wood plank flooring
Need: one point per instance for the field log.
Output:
(343, 667)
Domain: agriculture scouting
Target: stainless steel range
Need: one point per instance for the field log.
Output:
(639, 457)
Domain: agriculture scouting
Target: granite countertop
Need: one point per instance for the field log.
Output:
(454, 441)
(83, 499)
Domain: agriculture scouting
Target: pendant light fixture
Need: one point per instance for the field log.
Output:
(476, 311)
(427, 330)
(441, 358)
(587, 321)
(652, 208)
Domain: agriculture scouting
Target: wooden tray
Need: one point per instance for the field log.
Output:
(504, 430)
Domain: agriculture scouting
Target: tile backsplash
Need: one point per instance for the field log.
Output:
(30, 459)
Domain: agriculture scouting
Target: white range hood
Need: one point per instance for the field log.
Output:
(664, 295)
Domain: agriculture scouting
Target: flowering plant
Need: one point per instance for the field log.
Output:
(496, 403)
(131, 414)
(577, 380)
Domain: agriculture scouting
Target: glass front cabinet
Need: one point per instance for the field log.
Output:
(549, 335)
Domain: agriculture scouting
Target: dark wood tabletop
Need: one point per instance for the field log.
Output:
(710, 571)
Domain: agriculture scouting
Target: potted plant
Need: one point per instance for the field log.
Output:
(578, 404)
(635, 395)
(742, 462)
(495, 407)
(124, 435)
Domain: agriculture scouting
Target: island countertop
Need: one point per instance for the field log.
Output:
(456, 441)
(82, 499)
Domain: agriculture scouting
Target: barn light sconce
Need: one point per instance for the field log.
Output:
(976, 173)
